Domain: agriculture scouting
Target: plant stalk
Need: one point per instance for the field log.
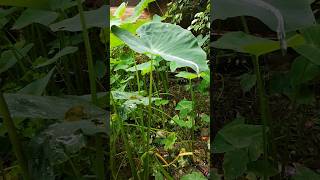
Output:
(99, 162)
(263, 109)
(150, 117)
(13, 135)
(124, 137)
(89, 54)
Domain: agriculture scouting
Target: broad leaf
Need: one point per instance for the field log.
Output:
(37, 87)
(49, 107)
(245, 43)
(169, 41)
(94, 18)
(296, 13)
(131, 27)
(241, 135)
(30, 16)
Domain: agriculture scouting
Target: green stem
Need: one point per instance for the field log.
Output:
(89, 54)
(263, 102)
(99, 162)
(263, 109)
(193, 109)
(137, 74)
(149, 119)
(124, 137)
(13, 135)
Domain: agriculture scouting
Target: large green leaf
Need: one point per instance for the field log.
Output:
(237, 135)
(169, 41)
(241, 135)
(131, 27)
(49, 107)
(296, 13)
(245, 43)
(94, 18)
(30, 16)
(38, 86)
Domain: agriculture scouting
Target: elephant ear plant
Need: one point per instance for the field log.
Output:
(171, 43)
(20, 61)
(286, 18)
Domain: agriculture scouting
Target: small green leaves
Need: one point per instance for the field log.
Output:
(182, 123)
(205, 118)
(193, 176)
(184, 107)
(169, 141)
(144, 67)
(161, 102)
(187, 75)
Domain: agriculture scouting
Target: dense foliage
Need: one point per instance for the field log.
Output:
(159, 80)
(53, 90)
(272, 89)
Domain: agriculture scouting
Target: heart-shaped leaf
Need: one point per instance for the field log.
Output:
(169, 41)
